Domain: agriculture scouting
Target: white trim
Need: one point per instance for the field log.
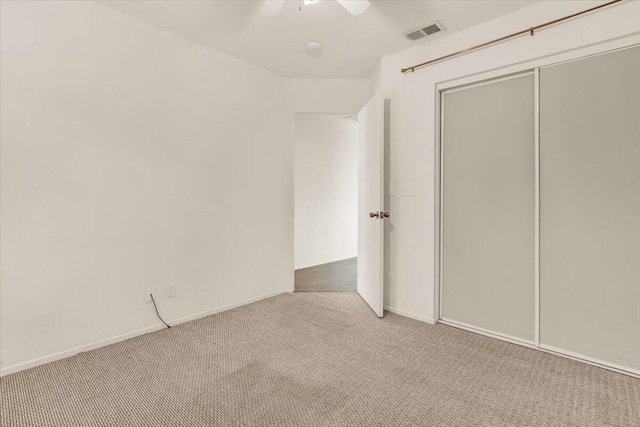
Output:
(101, 343)
(616, 47)
(547, 349)
(487, 332)
(624, 42)
(292, 114)
(603, 47)
(440, 155)
(437, 244)
(536, 231)
(590, 360)
(327, 261)
(440, 207)
(386, 113)
(498, 79)
(410, 315)
(292, 129)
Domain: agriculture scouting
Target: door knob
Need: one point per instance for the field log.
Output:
(374, 214)
(385, 214)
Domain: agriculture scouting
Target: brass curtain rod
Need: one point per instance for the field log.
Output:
(530, 30)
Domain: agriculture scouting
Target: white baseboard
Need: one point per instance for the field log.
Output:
(410, 315)
(326, 261)
(101, 343)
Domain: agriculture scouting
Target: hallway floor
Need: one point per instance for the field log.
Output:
(339, 276)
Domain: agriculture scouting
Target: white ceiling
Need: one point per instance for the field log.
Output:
(352, 44)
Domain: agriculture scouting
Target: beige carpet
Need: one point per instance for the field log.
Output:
(317, 359)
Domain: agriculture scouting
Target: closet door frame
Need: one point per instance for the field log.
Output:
(511, 71)
(531, 73)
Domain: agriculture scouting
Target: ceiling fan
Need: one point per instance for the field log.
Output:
(355, 7)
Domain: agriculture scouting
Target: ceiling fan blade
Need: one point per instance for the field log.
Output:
(356, 7)
(271, 7)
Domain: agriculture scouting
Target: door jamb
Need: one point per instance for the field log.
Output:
(292, 137)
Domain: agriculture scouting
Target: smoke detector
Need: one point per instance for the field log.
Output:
(424, 31)
(313, 49)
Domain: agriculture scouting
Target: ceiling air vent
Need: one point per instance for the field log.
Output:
(427, 30)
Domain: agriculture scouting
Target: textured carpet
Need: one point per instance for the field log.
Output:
(318, 359)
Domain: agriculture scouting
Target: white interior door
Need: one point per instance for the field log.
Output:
(370, 203)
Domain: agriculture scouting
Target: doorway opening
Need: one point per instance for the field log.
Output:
(326, 202)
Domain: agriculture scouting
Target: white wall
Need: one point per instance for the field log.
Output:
(326, 189)
(328, 95)
(128, 156)
(128, 153)
(413, 103)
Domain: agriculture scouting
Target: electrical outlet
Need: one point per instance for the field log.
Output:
(390, 281)
(171, 289)
(151, 290)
